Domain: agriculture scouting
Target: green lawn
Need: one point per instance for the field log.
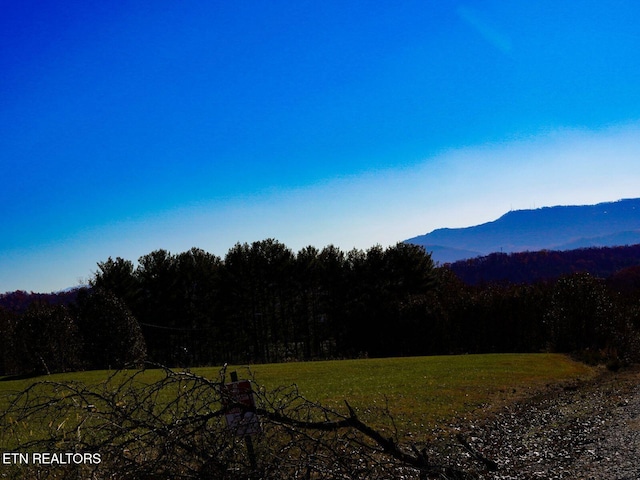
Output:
(422, 393)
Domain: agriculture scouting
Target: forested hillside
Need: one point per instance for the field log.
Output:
(263, 302)
(529, 267)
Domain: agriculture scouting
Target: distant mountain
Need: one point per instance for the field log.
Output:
(20, 301)
(448, 254)
(550, 228)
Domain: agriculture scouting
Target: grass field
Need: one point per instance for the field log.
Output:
(421, 393)
(424, 393)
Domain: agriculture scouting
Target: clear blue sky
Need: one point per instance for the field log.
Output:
(131, 126)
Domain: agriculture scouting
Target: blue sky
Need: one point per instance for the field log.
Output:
(137, 125)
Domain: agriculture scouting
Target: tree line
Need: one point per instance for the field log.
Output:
(264, 302)
(529, 267)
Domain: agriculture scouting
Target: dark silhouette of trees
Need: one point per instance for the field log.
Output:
(509, 318)
(7, 324)
(19, 301)
(581, 313)
(546, 265)
(156, 308)
(265, 303)
(310, 309)
(259, 292)
(586, 316)
(111, 336)
(335, 300)
(118, 277)
(198, 301)
(44, 340)
(385, 285)
(625, 286)
(175, 298)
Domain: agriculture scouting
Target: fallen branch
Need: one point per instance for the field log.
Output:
(175, 428)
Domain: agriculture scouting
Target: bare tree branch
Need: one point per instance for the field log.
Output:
(175, 428)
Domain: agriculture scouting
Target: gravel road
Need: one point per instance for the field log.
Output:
(585, 431)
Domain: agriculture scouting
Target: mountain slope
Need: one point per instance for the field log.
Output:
(559, 228)
(530, 267)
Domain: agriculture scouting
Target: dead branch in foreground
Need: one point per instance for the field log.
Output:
(175, 428)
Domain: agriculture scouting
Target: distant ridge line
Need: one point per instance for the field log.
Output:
(561, 227)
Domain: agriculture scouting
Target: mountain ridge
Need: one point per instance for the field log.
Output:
(560, 227)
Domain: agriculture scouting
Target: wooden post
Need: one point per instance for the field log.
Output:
(247, 438)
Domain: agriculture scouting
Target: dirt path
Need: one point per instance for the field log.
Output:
(590, 431)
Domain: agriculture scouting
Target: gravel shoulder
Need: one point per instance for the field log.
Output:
(580, 431)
